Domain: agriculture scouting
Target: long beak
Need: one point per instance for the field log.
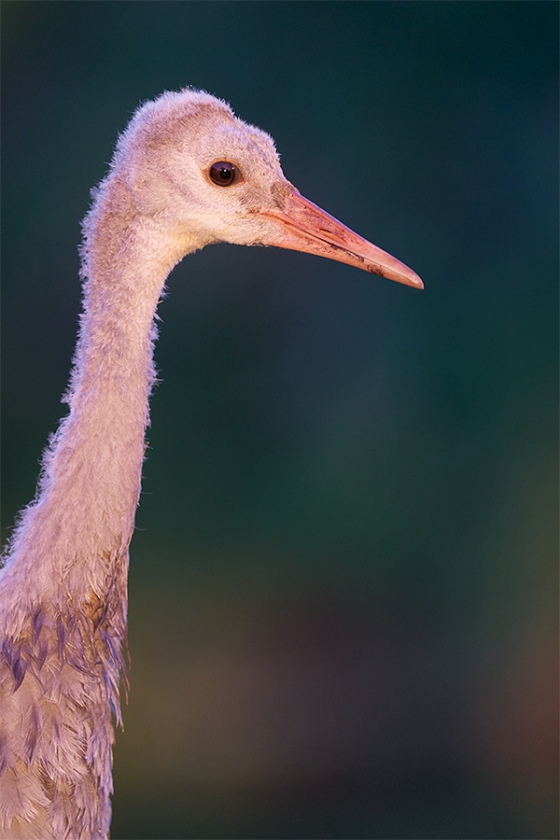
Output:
(305, 227)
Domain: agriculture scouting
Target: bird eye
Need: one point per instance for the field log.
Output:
(224, 174)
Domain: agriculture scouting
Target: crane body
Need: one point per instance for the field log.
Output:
(186, 172)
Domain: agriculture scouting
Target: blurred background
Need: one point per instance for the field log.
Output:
(343, 587)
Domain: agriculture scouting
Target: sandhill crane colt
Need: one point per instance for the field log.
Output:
(186, 172)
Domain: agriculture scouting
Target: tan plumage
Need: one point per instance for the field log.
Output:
(185, 173)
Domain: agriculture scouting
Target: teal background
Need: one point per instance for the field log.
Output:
(343, 587)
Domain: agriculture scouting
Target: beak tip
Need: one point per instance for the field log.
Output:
(410, 278)
(403, 275)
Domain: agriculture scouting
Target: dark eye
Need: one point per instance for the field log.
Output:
(224, 174)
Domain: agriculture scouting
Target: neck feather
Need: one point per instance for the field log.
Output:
(84, 510)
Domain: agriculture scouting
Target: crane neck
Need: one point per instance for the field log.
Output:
(81, 522)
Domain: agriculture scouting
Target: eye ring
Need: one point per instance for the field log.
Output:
(223, 173)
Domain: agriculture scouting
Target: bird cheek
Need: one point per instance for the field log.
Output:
(148, 194)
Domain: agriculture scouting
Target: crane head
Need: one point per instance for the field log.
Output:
(208, 176)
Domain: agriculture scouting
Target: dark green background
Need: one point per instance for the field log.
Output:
(343, 596)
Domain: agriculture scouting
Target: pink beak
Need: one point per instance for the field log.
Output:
(305, 227)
